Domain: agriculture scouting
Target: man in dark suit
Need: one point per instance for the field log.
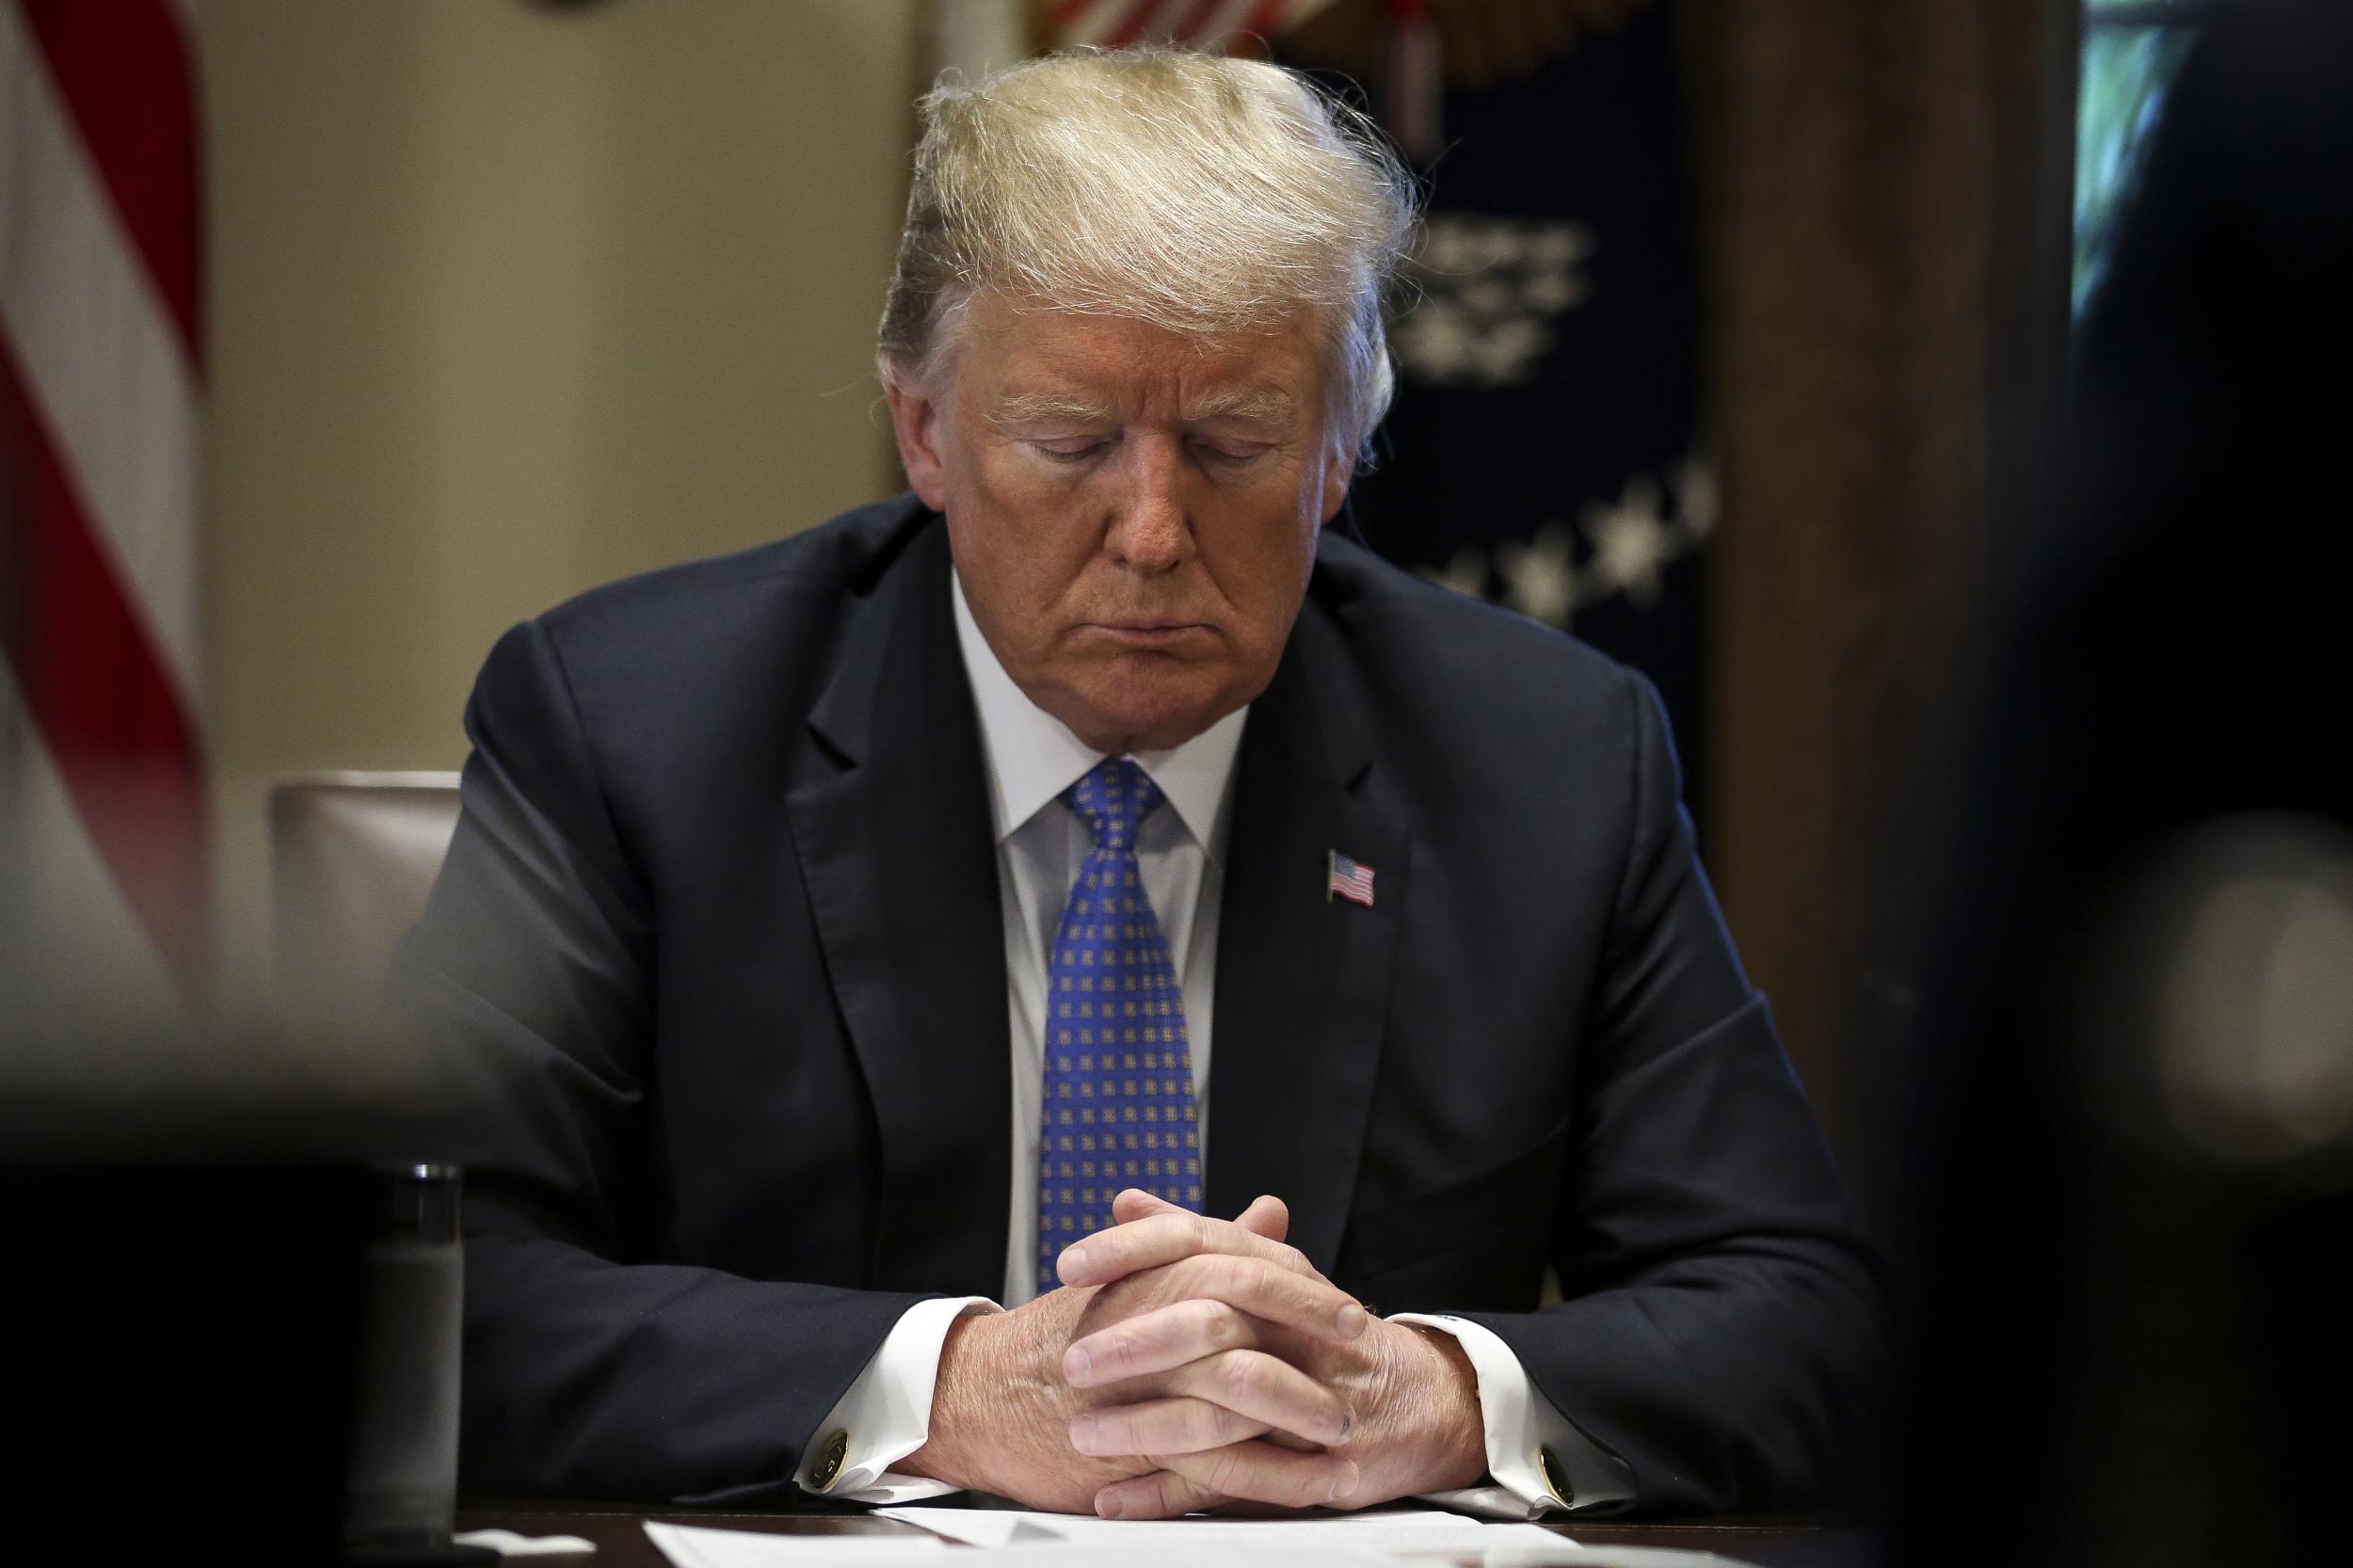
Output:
(793, 890)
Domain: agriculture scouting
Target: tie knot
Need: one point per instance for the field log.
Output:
(1114, 796)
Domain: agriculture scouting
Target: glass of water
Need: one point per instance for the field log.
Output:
(402, 1497)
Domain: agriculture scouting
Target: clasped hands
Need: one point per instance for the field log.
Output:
(1192, 1364)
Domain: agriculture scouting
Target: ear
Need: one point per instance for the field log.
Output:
(914, 425)
(1338, 472)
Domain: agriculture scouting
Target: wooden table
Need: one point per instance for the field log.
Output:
(621, 1541)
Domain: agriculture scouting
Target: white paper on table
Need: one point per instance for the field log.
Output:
(1565, 1553)
(1501, 1546)
(1166, 1552)
(1375, 1539)
(976, 1527)
(696, 1547)
(508, 1543)
(1377, 1532)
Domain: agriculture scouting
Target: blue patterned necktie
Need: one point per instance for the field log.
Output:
(1118, 1104)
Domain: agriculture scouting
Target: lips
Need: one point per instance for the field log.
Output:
(1150, 634)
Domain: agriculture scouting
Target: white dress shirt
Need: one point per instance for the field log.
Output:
(1030, 759)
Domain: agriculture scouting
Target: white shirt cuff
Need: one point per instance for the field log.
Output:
(1525, 1434)
(887, 1414)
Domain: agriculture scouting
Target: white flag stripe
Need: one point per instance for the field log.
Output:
(85, 937)
(102, 363)
(979, 38)
(1100, 21)
(1217, 31)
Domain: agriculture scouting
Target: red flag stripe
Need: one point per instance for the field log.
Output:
(122, 68)
(1196, 20)
(96, 349)
(1269, 15)
(98, 689)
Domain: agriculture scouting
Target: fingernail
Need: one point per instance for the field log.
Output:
(1077, 1366)
(1073, 1261)
(1110, 1505)
(1345, 1485)
(1353, 1320)
(1083, 1432)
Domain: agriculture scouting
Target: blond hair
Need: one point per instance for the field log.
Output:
(1200, 194)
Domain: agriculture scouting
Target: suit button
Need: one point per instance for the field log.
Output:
(1555, 1475)
(829, 1467)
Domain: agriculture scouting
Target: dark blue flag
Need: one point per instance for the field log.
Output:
(1542, 448)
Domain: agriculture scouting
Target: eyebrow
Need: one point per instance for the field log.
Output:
(1047, 407)
(1253, 406)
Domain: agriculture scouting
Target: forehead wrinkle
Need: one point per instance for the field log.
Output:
(1044, 366)
(1248, 406)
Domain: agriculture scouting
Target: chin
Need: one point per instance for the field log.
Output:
(1147, 708)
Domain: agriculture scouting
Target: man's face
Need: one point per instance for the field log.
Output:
(1134, 513)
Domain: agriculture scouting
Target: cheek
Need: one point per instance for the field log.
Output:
(1260, 566)
(1284, 541)
(1016, 536)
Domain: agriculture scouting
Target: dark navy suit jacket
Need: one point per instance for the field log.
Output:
(722, 919)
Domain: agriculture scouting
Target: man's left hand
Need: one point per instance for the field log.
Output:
(1410, 1396)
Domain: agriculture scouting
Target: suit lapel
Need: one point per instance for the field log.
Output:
(890, 815)
(1302, 980)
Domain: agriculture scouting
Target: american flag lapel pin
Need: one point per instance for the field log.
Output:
(1348, 879)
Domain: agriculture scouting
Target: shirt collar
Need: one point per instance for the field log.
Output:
(1033, 755)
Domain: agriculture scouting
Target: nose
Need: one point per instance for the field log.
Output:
(1146, 530)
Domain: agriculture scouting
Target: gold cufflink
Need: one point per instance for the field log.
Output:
(1551, 1470)
(828, 1467)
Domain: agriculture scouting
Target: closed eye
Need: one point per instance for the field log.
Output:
(1073, 449)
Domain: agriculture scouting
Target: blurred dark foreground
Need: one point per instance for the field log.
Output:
(181, 1342)
(2132, 1122)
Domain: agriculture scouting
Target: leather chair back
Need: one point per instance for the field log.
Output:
(353, 856)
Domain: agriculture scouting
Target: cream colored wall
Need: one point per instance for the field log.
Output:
(508, 299)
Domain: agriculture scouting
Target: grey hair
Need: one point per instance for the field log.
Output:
(1199, 194)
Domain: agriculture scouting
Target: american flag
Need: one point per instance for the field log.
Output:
(976, 39)
(1212, 25)
(102, 798)
(1350, 879)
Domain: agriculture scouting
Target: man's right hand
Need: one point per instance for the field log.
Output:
(1002, 1404)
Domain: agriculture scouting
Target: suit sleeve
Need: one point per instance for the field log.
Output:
(593, 1366)
(1721, 1330)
